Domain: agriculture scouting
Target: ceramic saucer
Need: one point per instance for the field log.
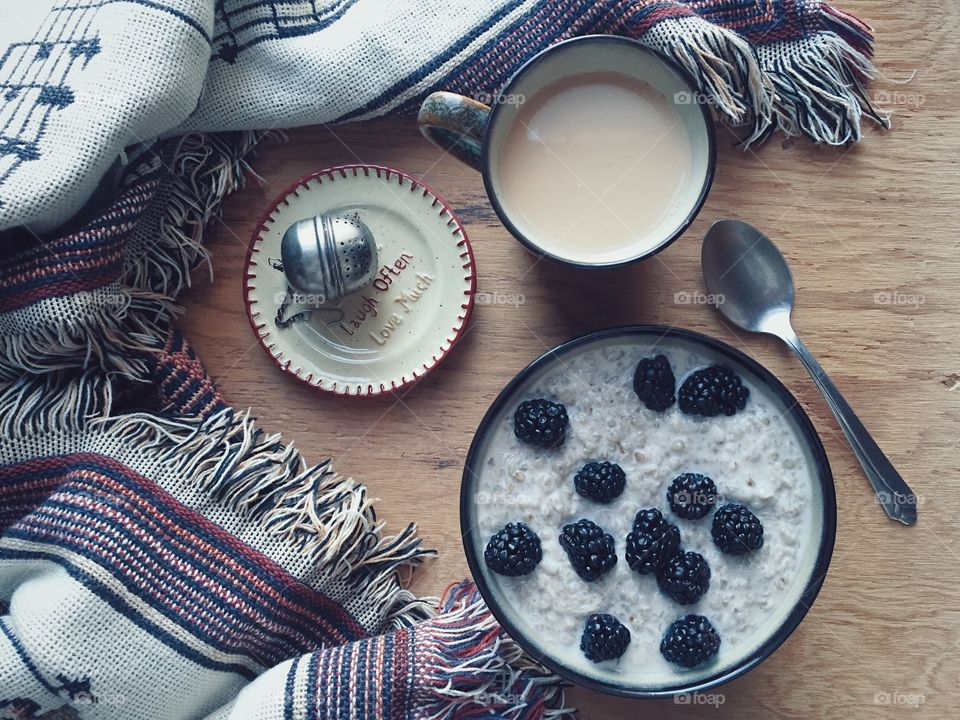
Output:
(397, 329)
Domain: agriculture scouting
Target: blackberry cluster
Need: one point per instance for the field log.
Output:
(541, 422)
(712, 391)
(589, 548)
(651, 542)
(654, 383)
(685, 577)
(690, 641)
(653, 545)
(514, 550)
(736, 530)
(604, 638)
(600, 481)
(692, 496)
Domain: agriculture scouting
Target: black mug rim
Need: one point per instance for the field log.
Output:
(709, 128)
(818, 572)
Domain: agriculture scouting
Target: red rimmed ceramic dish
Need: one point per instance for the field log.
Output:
(394, 332)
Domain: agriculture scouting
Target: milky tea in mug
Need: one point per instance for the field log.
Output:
(593, 167)
(596, 153)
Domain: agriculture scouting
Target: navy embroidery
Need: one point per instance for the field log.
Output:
(241, 24)
(27, 708)
(36, 76)
(77, 690)
(35, 80)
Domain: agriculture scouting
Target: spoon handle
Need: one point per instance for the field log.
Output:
(893, 493)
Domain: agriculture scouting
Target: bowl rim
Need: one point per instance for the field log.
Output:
(709, 127)
(827, 534)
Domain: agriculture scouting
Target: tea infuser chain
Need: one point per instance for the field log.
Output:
(288, 298)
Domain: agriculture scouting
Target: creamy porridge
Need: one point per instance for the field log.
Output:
(756, 458)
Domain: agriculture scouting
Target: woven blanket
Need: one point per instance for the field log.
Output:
(84, 81)
(161, 556)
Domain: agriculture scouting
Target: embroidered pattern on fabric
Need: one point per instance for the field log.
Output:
(35, 80)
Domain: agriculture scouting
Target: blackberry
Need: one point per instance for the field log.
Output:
(711, 391)
(736, 530)
(685, 577)
(689, 641)
(652, 541)
(654, 383)
(514, 550)
(604, 638)
(692, 496)
(600, 481)
(541, 422)
(589, 548)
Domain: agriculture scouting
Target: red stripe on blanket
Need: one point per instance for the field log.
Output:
(197, 573)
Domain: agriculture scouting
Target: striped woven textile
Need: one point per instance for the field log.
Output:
(161, 556)
(89, 84)
(173, 565)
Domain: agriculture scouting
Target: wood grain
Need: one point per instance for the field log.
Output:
(858, 226)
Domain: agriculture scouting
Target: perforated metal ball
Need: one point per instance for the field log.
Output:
(329, 256)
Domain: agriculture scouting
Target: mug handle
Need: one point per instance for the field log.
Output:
(455, 124)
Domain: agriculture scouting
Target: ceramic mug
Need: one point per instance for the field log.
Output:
(598, 152)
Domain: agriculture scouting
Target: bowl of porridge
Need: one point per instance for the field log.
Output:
(647, 511)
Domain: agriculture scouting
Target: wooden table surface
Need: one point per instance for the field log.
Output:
(872, 235)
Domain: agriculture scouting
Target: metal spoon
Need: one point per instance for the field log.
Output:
(742, 265)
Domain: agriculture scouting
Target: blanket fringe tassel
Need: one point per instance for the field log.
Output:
(320, 513)
(724, 68)
(204, 169)
(815, 87)
(477, 670)
(113, 329)
(821, 93)
(117, 327)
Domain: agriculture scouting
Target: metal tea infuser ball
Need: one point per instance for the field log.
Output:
(328, 257)
(324, 258)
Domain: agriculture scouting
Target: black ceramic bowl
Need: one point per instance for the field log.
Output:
(819, 549)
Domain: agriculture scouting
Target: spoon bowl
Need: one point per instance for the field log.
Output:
(747, 274)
